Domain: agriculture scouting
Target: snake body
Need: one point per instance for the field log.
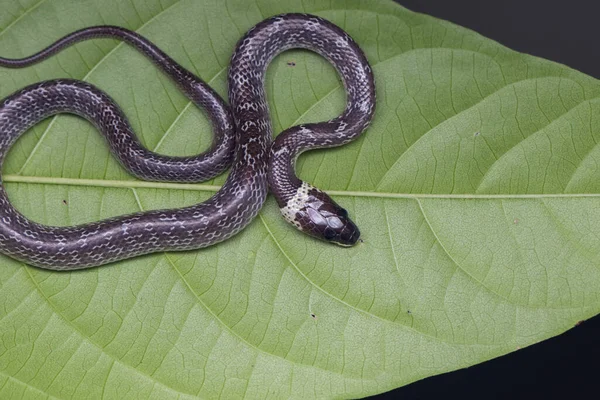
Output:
(242, 134)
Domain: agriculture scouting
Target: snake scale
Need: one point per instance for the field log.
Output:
(242, 135)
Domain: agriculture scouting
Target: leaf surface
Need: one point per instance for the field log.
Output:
(476, 190)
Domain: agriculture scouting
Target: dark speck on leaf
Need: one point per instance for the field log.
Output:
(516, 221)
(65, 202)
(477, 134)
(579, 323)
(313, 316)
(408, 312)
(291, 64)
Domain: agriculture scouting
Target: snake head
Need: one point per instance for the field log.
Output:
(316, 214)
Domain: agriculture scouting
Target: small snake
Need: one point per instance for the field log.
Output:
(242, 135)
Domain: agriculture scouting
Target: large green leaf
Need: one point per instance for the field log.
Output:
(476, 190)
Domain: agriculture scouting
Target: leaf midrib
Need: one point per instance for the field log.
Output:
(134, 184)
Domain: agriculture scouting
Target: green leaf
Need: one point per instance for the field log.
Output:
(476, 190)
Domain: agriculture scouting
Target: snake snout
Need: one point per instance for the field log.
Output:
(349, 235)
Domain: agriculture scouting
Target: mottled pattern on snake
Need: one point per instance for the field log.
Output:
(257, 165)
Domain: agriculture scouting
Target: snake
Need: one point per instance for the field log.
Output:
(242, 139)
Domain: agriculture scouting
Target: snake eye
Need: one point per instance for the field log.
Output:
(328, 234)
(343, 213)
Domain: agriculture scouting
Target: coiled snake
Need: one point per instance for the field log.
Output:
(242, 135)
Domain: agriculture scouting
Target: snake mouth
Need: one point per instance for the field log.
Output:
(345, 244)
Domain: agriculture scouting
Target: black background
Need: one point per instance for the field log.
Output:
(565, 366)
